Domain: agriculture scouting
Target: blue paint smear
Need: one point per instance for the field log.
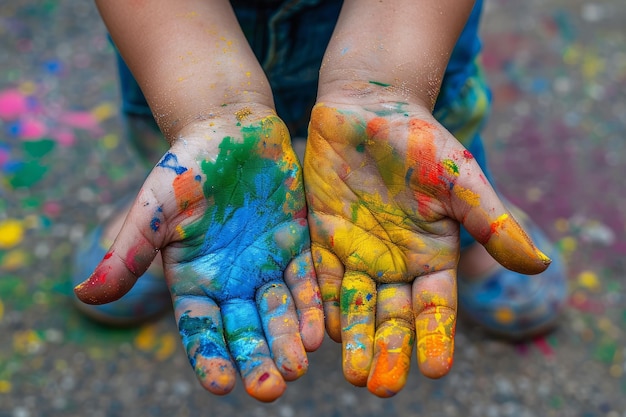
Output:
(204, 332)
(239, 249)
(170, 161)
(155, 223)
(244, 334)
(409, 174)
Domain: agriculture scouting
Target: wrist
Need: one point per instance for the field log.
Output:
(371, 91)
(223, 107)
(215, 122)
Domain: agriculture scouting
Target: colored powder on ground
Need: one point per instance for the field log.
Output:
(11, 233)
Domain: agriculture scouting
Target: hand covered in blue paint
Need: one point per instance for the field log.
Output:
(387, 187)
(226, 208)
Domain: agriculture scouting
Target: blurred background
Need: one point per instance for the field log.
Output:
(557, 149)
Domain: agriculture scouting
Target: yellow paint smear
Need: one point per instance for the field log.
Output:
(468, 196)
(435, 333)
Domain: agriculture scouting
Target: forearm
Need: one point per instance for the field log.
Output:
(401, 45)
(189, 57)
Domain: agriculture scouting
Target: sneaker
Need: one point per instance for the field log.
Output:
(514, 305)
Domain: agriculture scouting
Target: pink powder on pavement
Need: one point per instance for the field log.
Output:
(12, 104)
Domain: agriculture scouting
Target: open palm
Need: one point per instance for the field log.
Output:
(387, 188)
(226, 207)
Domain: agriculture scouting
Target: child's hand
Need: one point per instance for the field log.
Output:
(226, 207)
(387, 187)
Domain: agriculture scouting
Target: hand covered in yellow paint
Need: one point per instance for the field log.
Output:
(387, 188)
(226, 207)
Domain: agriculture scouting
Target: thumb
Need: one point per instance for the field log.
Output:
(477, 206)
(131, 254)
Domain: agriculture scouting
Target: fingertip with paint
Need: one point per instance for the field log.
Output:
(545, 259)
(435, 368)
(267, 386)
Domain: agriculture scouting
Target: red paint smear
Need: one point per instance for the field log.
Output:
(100, 279)
(359, 301)
(543, 346)
(496, 225)
(264, 377)
(301, 216)
(428, 306)
(108, 255)
(131, 260)
(99, 276)
(423, 203)
(467, 154)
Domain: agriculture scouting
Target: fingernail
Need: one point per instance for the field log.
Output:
(544, 258)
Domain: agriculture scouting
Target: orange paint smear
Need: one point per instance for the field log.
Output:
(378, 127)
(422, 154)
(498, 224)
(390, 372)
(187, 191)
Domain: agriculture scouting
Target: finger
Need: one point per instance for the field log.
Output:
(302, 282)
(129, 257)
(434, 306)
(329, 271)
(358, 308)
(280, 323)
(394, 340)
(477, 206)
(200, 326)
(248, 347)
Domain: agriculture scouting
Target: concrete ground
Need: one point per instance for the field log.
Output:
(556, 141)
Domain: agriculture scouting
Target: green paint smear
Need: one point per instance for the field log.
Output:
(227, 172)
(28, 175)
(117, 173)
(451, 166)
(12, 286)
(354, 210)
(380, 84)
(556, 402)
(398, 108)
(614, 287)
(15, 293)
(39, 148)
(233, 173)
(347, 299)
(605, 352)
